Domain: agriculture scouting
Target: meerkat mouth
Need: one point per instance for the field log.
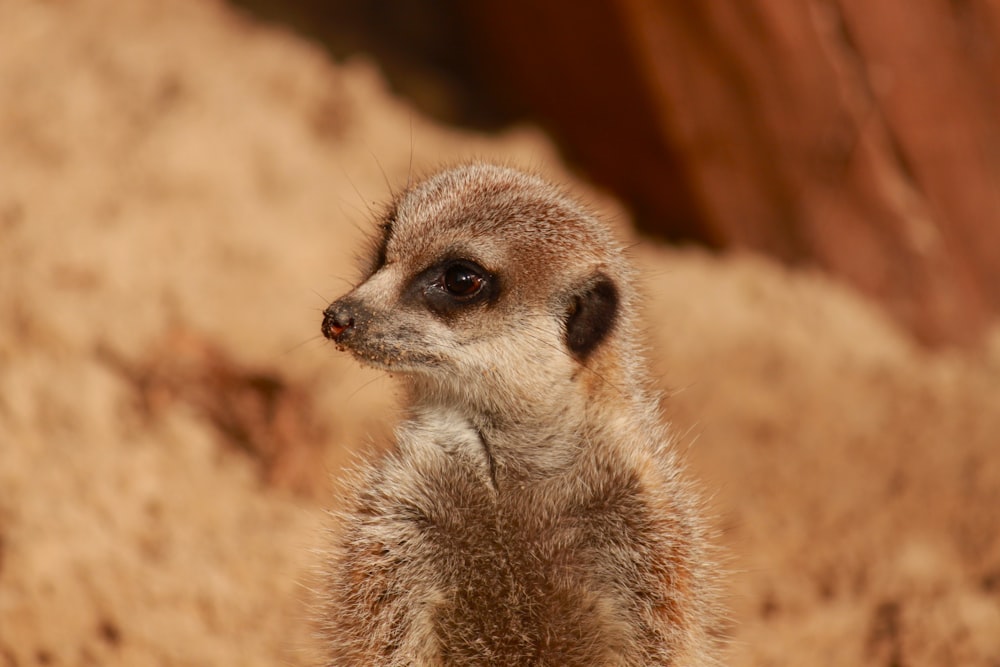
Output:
(389, 359)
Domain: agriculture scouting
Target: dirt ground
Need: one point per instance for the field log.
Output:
(181, 193)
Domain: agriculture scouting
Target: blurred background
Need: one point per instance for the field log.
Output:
(865, 141)
(809, 190)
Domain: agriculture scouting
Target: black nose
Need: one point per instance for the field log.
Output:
(337, 318)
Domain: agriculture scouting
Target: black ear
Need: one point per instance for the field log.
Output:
(591, 316)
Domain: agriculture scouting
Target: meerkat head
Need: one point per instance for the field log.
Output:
(485, 282)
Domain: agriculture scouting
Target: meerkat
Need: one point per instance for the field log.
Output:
(532, 511)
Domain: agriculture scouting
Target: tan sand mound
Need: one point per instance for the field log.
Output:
(177, 184)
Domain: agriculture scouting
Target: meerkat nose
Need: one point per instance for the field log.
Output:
(337, 319)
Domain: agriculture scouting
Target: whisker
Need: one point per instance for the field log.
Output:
(295, 347)
(409, 167)
(385, 176)
(364, 202)
(547, 343)
(355, 211)
(380, 376)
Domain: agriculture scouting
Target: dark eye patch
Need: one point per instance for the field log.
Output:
(451, 286)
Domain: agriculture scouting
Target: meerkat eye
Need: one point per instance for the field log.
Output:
(456, 285)
(462, 280)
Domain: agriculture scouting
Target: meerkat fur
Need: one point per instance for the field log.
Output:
(531, 511)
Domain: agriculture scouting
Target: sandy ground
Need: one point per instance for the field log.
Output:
(181, 193)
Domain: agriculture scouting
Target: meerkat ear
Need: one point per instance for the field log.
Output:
(591, 316)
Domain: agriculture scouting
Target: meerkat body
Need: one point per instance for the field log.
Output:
(531, 512)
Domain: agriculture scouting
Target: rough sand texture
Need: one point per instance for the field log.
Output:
(177, 183)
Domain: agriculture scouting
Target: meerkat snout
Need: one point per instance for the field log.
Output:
(532, 511)
(337, 319)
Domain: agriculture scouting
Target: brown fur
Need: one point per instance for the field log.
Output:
(531, 512)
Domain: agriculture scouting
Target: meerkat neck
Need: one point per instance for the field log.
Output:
(532, 436)
(503, 446)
